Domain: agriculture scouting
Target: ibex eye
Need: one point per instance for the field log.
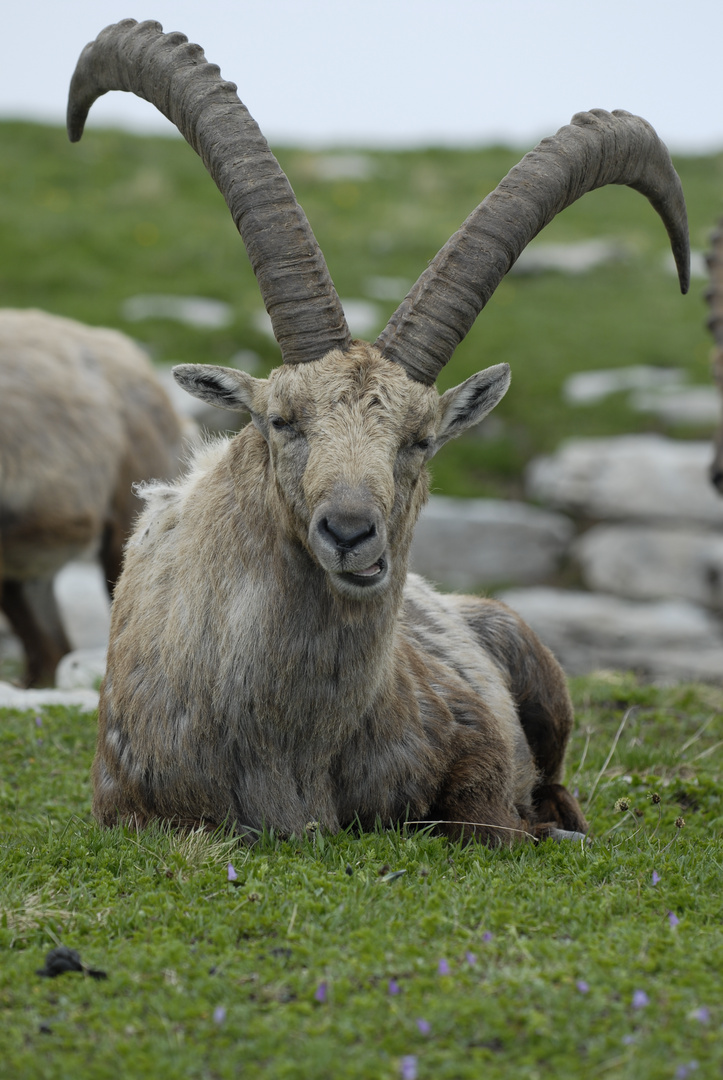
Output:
(279, 423)
(423, 444)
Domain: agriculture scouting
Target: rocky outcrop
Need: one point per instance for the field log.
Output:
(464, 543)
(663, 640)
(629, 478)
(647, 562)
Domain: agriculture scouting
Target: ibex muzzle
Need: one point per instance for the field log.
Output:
(348, 535)
(271, 662)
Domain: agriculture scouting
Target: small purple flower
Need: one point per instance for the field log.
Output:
(470, 958)
(487, 936)
(443, 968)
(582, 986)
(38, 721)
(232, 875)
(408, 1068)
(393, 986)
(424, 1027)
(685, 1070)
(673, 919)
(656, 877)
(640, 999)
(628, 1040)
(219, 1014)
(320, 994)
(702, 1015)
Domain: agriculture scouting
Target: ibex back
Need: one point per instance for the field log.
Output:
(271, 661)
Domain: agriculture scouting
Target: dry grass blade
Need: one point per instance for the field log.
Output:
(706, 753)
(198, 847)
(33, 913)
(578, 770)
(476, 825)
(696, 736)
(608, 759)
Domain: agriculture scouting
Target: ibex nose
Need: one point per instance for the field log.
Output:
(349, 539)
(346, 531)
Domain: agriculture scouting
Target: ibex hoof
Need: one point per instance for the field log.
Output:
(566, 835)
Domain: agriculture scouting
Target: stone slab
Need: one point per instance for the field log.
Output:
(646, 562)
(464, 543)
(84, 604)
(11, 697)
(634, 477)
(81, 669)
(668, 641)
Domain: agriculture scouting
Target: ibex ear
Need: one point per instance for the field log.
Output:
(225, 387)
(468, 403)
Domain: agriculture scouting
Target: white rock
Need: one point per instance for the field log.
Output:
(690, 405)
(81, 669)
(575, 258)
(84, 604)
(341, 166)
(636, 477)
(191, 310)
(665, 640)
(645, 562)
(462, 543)
(13, 698)
(594, 617)
(589, 387)
(698, 265)
(363, 316)
(387, 288)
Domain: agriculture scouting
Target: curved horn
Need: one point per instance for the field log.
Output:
(595, 149)
(172, 74)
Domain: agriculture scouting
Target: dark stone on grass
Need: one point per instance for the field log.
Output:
(64, 959)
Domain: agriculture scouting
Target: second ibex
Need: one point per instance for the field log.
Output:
(271, 662)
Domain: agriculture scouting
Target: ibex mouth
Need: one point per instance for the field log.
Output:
(371, 571)
(367, 578)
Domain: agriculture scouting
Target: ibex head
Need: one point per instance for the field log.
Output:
(350, 426)
(349, 436)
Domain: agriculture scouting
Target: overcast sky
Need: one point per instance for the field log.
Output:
(402, 72)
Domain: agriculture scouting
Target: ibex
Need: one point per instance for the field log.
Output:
(714, 296)
(271, 663)
(82, 417)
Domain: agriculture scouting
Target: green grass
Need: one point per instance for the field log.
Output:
(84, 227)
(208, 980)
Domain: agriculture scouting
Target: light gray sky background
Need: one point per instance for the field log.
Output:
(402, 72)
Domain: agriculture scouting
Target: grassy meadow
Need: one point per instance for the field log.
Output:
(393, 954)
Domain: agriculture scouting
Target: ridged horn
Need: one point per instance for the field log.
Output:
(595, 149)
(714, 298)
(714, 292)
(165, 69)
